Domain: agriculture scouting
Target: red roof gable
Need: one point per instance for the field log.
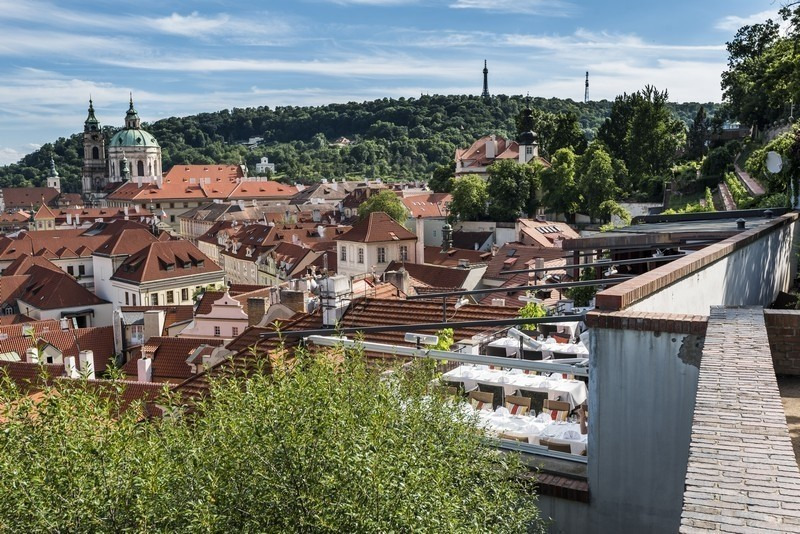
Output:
(377, 227)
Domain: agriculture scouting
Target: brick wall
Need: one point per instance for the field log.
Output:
(742, 474)
(783, 330)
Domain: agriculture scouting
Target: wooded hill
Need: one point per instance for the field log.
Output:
(405, 138)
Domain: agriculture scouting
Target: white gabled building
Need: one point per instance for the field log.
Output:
(372, 243)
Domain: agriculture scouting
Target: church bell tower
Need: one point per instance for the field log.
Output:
(94, 174)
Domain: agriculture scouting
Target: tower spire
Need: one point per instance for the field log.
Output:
(132, 120)
(485, 93)
(91, 123)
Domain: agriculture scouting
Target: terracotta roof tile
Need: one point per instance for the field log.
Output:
(163, 260)
(25, 197)
(428, 204)
(169, 356)
(378, 227)
(433, 275)
(452, 257)
(46, 289)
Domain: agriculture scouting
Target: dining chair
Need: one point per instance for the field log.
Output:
(558, 410)
(528, 354)
(518, 405)
(480, 400)
(558, 447)
(497, 392)
(513, 437)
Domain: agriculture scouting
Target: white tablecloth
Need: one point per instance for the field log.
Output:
(533, 428)
(572, 391)
(509, 343)
(547, 346)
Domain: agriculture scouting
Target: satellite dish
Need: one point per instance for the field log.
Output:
(774, 162)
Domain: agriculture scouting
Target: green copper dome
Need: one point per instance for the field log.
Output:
(133, 137)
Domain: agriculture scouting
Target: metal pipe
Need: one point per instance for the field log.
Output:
(604, 263)
(510, 321)
(560, 285)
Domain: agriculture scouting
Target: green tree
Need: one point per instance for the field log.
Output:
(470, 197)
(322, 445)
(709, 200)
(559, 190)
(512, 189)
(442, 178)
(387, 202)
(596, 181)
(698, 137)
(531, 310)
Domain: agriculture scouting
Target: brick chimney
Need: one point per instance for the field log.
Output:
(256, 309)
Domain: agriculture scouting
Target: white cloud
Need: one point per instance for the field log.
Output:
(734, 22)
(10, 155)
(553, 8)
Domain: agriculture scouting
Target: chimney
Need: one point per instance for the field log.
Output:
(69, 367)
(491, 147)
(293, 299)
(69, 218)
(420, 231)
(499, 302)
(32, 355)
(399, 279)
(86, 360)
(315, 215)
(77, 220)
(321, 230)
(256, 310)
(335, 293)
(144, 370)
(125, 210)
(153, 324)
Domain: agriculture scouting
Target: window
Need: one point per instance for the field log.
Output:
(140, 168)
(154, 299)
(381, 255)
(172, 218)
(529, 150)
(137, 333)
(216, 331)
(134, 299)
(158, 205)
(171, 204)
(343, 254)
(170, 297)
(127, 298)
(81, 270)
(95, 153)
(71, 270)
(434, 233)
(235, 331)
(185, 294)
(360, 254)
(403, 253)
(185, 204)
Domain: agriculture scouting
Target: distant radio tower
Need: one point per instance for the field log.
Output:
(485, 93)
(586, 93)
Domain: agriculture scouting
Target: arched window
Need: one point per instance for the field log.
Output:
(95, 153)
(140, 168)
(113, 169)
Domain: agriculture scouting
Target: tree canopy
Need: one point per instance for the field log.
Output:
(387, 202)
(470, 197)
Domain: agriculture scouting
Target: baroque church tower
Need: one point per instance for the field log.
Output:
(95, 172)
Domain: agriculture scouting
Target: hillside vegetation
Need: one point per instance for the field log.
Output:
(391, 138)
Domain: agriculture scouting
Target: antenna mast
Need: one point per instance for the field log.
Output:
(586, 92)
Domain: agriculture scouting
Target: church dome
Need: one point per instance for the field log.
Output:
(133, 137)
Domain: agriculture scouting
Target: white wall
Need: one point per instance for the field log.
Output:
(351, 267)
(102, 313)
(750, 276)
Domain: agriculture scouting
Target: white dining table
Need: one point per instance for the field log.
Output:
(556, 387)
(534, 429)
(547, 346)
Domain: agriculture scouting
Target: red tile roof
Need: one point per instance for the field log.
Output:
(162, 260)
(100, 340)
(515, 256)
(25, 197)
(377, 227)
(428, 204)
(544, 233)
(126, 242)
(48, 242)
(46, 289)
(433, 275)
(451, 258)
(169, 356)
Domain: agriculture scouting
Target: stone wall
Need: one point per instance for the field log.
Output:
(783, 331)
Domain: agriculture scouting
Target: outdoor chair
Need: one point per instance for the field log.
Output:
(480, 400)
(518, 405)
(558, 410)
(497, 391)
(558, 447)
(537, 400)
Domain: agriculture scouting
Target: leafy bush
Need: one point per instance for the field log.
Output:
(324, 445)
(738, 192)
(532, 310)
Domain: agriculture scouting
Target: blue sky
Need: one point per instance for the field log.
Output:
(180, 58)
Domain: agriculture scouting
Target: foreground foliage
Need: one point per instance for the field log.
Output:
(322, 446)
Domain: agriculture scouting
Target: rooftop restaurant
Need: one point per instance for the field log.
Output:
(653, 409)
